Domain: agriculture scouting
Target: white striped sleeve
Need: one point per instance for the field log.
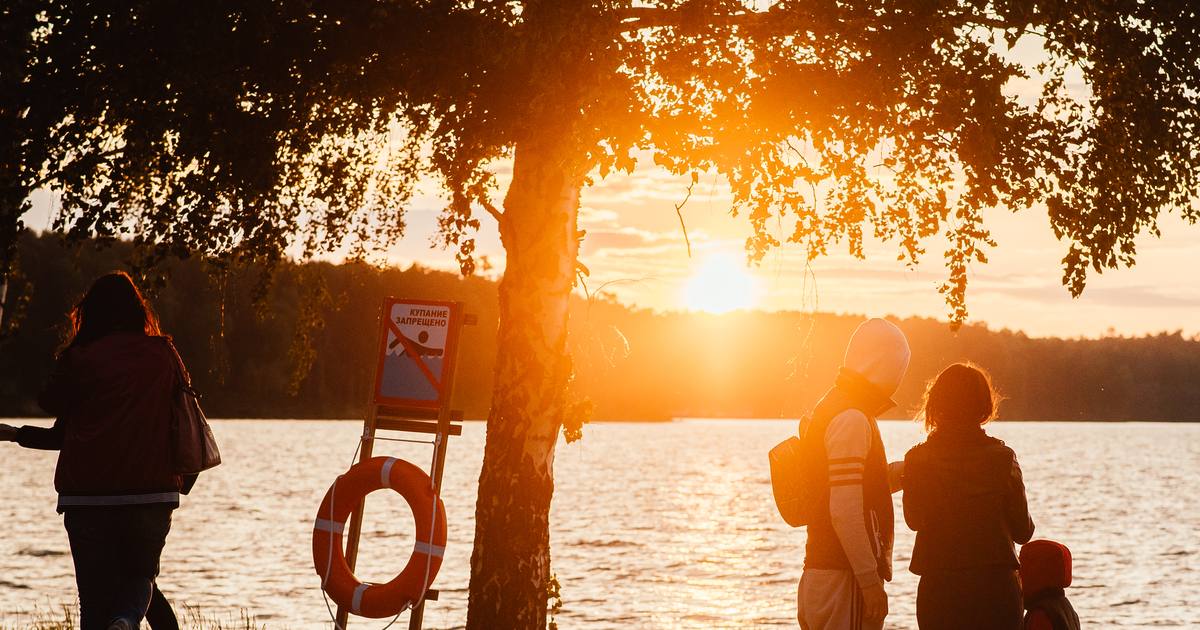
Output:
(847, 441)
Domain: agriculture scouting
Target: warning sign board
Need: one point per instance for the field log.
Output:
(414, 356)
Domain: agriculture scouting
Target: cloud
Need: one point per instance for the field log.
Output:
(593, 216)
(605, 241)
(653, 184)
(1131, 297)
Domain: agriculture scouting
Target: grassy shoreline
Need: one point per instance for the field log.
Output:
(66, 617)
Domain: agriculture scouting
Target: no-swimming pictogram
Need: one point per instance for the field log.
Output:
(413, 357)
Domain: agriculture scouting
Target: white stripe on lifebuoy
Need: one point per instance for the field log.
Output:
(430, 550)
(386, 475)
(329, 558)
(356, 605)
(330, 526)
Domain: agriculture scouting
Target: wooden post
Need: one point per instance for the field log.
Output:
(366, 448)
(417, 616)
(356, 517)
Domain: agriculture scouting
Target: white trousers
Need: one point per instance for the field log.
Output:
(829, 599)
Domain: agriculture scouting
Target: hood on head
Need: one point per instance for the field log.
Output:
(1044, 564)
(879, 352)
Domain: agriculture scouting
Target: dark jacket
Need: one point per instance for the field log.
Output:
(1049, 609)
(823, 549)
(964, 496)
(112, 400)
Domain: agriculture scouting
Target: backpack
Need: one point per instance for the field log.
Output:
(791, 479)
(799, 479)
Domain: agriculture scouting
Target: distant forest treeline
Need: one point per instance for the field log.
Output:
(306, 349)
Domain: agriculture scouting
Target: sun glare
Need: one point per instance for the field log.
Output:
(721, 285)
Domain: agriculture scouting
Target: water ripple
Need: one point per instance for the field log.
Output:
(655, 526)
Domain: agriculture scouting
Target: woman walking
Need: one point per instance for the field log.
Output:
(111, 395)
(964, 496)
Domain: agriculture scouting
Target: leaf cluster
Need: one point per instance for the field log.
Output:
(896, 119)
(242, 130)
(246, 130)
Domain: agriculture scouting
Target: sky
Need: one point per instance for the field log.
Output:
(635, 249)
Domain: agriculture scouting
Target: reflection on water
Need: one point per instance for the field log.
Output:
(654, 525)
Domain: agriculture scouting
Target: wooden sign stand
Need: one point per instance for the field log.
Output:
(439, 420)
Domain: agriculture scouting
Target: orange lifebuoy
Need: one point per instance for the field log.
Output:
(379, 600)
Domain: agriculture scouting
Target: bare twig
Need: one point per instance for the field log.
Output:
(680, 215)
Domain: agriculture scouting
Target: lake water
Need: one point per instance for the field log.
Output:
(654, 525)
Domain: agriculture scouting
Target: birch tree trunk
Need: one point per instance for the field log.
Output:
(510, 564)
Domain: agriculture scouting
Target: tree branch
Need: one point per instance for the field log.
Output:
(639, 18)
(494, 212)
(680, 215)
(55, 175)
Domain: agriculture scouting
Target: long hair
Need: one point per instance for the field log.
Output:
(112, 303)
(960, 397)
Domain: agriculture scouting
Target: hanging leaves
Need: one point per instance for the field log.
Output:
(245, 130)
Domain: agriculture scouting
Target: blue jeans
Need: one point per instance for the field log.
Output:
(116, 551)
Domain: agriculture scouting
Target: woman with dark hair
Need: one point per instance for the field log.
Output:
(965, 498)
(111, 395)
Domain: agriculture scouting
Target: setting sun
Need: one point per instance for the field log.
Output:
(721, 285)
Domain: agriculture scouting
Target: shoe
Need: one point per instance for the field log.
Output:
(121, 623)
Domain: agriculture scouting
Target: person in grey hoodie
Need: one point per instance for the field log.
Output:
(965, 498)
(848, 556)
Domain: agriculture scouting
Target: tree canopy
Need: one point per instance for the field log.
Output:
(237, 128)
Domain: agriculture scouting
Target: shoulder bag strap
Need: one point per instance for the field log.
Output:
(181, 375)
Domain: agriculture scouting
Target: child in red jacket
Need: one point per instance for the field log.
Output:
(1045, 572)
